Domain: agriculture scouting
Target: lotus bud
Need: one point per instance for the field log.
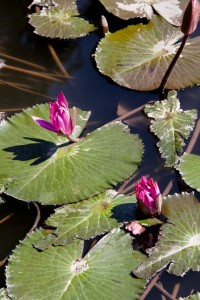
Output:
(190, 17)
(60, 118)
(149, 198)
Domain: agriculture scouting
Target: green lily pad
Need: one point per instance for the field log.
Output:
(189, 169)
(171, 125)
(179, 243)
(88, 218)
(171, 10)
(138, 56)
(61, 272)
(60, 20)
(4, 294)
(150, 222)
(41, 166)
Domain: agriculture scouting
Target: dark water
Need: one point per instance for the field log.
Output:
(85, 88)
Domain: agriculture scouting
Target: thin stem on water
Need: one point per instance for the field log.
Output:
(172, 64)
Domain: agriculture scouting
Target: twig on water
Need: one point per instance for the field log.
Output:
(57, 61)
(194, 138)
(30, 72)
(6, 218)
(24, 90)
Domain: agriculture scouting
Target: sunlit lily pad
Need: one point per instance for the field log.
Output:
(88, 218)
(189, 168)
(4, 294)
(41, 166)
(171, 10)
(60, 20)
(171, 125)
(179, 243)
(61, 272)
(138, 56)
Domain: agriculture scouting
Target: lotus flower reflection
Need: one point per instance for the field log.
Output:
(60, 118)
(148, 196)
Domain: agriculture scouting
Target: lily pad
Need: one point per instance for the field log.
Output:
(179, 243)
(171, 125)
(60, 20)
(4, 294)
(189, 169)
(88, 218)
(138, 56)
(171, 10)
(61, 272)
(41, 166)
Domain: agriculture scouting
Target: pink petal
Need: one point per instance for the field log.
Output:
(43, 123)
(61, 100)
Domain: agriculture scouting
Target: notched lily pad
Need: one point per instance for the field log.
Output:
(62, 273)
(171, 125)
(171, 10)
(60, 20)
(138, 56)
(88, 218)
(179, 243)
(41, 166)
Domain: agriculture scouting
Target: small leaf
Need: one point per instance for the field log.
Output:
(171, 125)
(61, 273)
(150, 222)
(192, 297)
(138, 56)
(38, 165)
(189, 169)
(170, 9)
(179, 243)
(61, 20)
(88, 218)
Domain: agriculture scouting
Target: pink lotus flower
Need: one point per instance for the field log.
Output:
(148, 196)
(60, 119)
(190, 17)
(135, 228)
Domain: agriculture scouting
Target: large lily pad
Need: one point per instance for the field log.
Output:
(88, 218)
(138, 56)
(189, 168)
(60, 20)
(179, 243)
(4, 294)
(171, 10)
(61, 272)
(171, 125)
(41, 166)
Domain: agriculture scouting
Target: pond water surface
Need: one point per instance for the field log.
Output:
(86, 88)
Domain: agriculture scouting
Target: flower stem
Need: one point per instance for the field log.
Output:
(73, 139)
(171, 66)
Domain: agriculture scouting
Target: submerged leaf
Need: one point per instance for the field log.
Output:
(61, 20)
(38, 165)
(138, 56)
(171, 125)
(88, 218)
(179, 243)
(189, 169)
(171, 10)
(61, 272)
